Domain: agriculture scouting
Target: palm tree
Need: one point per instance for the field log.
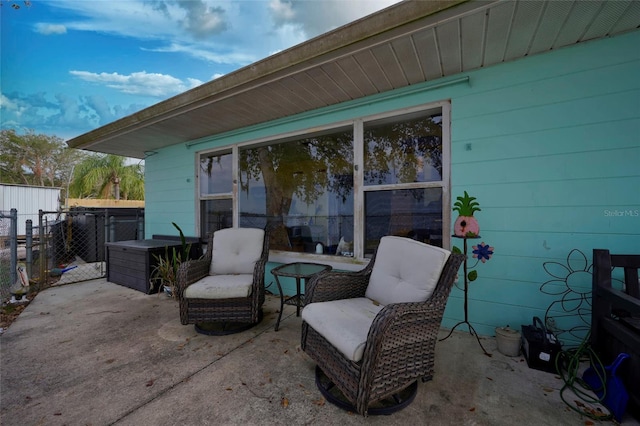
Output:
(108, 176)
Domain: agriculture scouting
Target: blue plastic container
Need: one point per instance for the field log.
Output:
(608, 384)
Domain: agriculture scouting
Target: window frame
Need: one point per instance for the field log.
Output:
(233, 196)
(359, 188)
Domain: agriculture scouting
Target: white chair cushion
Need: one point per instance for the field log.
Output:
(220, 287)
(344, 323)
(236, 250)
(405, 270)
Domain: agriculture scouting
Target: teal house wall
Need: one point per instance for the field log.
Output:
(170, 193)
(549, 145)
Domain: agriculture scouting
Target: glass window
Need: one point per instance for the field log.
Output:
(403, 177)
(413, 213)
(403, 150)
(335, 191)
(304, 187)
(215, 214)
(216, 192)
(216, 174)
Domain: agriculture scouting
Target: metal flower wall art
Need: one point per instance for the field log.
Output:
(466, 226)
(482, 252)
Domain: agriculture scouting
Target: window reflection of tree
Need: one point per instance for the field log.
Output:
(305, 168)
(395, 152)
(403, 152)
(218, 170)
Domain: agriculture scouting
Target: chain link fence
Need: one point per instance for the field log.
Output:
(66, 246)
(8, 251)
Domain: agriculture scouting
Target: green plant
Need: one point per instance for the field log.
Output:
(165, 272)
(186, 248)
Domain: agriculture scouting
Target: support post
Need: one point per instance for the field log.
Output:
(13, 248)
(29, 247)
(112, 228)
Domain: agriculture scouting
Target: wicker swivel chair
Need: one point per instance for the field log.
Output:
(373, 333)
(223, 292)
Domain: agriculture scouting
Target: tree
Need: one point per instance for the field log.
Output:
(395, 153)
(36, 159)
(108, 176)
(305, 168)
(300, 167)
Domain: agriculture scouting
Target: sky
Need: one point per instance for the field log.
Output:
(70, 66)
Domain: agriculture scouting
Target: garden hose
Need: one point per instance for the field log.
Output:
(567, 366)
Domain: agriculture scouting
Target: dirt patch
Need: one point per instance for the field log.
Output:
(10, 312)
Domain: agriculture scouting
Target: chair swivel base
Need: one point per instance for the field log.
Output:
(225, 328)
(390, 405)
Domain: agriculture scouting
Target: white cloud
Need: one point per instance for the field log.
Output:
(139, 83)
(214, 37)
(316, 17)
(154, 19)
(221, 57)
(222, 31)
(282, 11)
(202, 20)
(48, 29)
(7, 104)
(62, 115)
(194, 82)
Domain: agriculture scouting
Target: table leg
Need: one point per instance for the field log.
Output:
(281, 303)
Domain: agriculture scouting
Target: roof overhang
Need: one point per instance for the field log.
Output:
(409, 43)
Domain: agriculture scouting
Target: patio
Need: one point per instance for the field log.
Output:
(99, 353)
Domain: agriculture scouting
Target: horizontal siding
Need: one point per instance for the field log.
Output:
(610, 163)
(574, 112)
(550, 146)
(545, 193)
(543, 143)
(558, 90)
(536, 74)
(171, 196)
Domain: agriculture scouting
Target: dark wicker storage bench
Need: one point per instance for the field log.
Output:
(130, 263)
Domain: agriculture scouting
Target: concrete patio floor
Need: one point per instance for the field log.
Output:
(96, 353)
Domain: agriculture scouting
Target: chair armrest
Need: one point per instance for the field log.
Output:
(335, 285)
(399, 325)
(190, 272)
(406, 314)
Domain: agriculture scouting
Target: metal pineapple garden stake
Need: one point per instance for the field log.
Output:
(466, 227)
